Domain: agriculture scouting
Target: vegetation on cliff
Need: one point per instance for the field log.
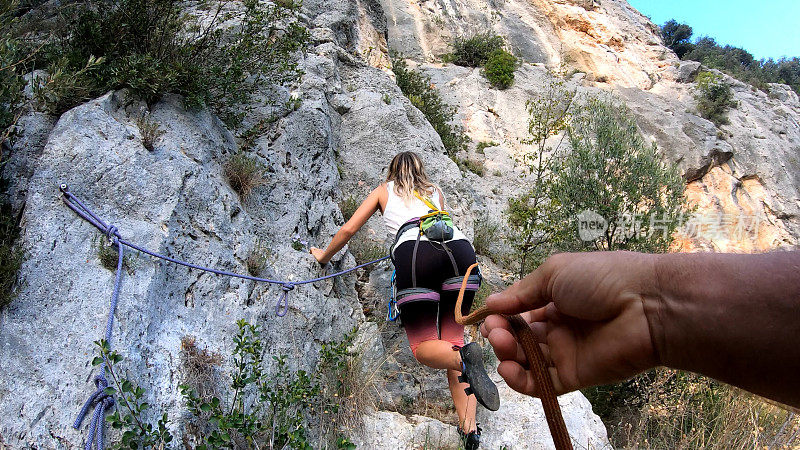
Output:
(714, 98)
(154, 47)
(474, 51)
(485, 50)
(736, 62)
(499, 69)
(424, 96)
(260, 408)
(609, 176)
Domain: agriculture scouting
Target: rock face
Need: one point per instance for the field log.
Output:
(351, 120)
(608, 48)
(175, 200)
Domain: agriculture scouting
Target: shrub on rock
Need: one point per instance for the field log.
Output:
(499, 69)
(474, 51)
(714, 98)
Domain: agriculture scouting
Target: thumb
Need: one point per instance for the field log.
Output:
(529, 293)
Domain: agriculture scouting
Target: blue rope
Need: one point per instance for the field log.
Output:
(99, 398)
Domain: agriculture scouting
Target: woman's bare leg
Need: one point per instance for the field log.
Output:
(438, 355)
(441, 355)
(465, 404)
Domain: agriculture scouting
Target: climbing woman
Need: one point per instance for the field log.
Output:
(430, 255)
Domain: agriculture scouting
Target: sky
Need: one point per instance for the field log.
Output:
(765, 28)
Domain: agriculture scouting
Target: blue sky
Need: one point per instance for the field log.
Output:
(765, 28)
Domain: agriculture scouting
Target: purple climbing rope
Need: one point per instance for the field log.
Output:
(100, 398)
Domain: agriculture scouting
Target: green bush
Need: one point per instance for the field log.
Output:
(530, 214)
(714, 98)
(483, 145)
(676, 37)
(419, 90)
(15, 61)
(153, 47)
(734, 61)
(474, 51)
(11, 256)
(260, 408)
(499, 69)
(612, 171)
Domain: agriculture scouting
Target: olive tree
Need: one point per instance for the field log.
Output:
(529, 214)
(612, 190)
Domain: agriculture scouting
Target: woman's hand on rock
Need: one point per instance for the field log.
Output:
(319, 254)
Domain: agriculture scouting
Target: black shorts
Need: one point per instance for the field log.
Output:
(430, 320)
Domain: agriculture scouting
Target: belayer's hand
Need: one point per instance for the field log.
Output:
(588, 310)
(318, 253)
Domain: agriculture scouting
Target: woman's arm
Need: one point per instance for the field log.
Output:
(360, 217)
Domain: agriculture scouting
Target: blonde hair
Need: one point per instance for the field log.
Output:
(408, 174)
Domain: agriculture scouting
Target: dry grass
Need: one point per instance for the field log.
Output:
(200, 366)
(150, 131)
(487, 233)
(364, 249)
(423, 407)
(352, 382)
(348, 207)
(666, 408)
(256, 260)
(244, 173)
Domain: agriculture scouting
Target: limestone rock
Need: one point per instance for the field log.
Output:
(520, 415)
(384, 429)
(345, 120)
(519, 424)
(687, 71)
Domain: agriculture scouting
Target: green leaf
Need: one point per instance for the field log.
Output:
(109, 391)
(97, 360)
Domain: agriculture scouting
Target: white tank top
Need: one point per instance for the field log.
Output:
(398, 212)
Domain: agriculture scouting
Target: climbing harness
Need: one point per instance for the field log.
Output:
(100, 398)
(536, 361)
(437, 227)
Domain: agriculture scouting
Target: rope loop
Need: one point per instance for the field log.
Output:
(282, 306)
(102, 402)
(112, 233)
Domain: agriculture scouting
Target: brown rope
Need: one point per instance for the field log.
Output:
(533, 353)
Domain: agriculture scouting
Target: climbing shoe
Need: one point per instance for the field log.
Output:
(471, 440)
(473, 373)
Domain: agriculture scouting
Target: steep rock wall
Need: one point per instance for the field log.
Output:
(609, 48)
(175, 199)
